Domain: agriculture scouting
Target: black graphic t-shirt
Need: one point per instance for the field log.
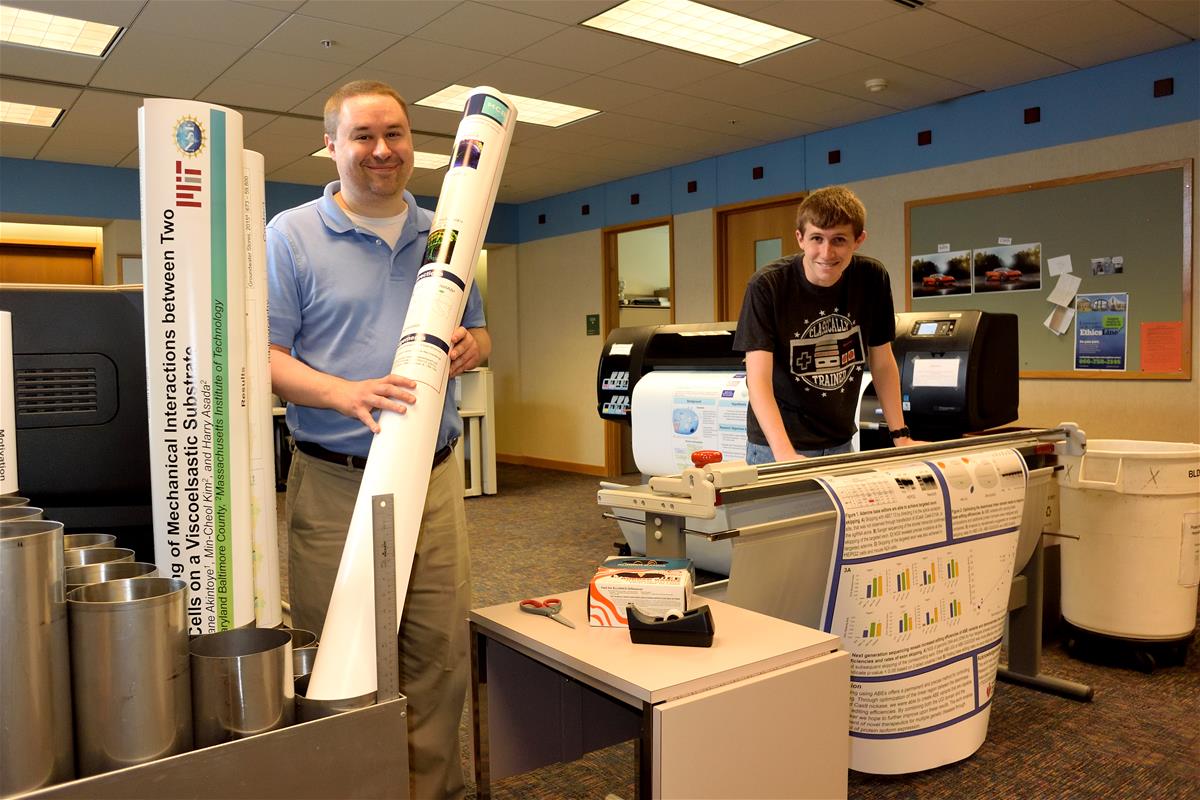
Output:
(820, 337)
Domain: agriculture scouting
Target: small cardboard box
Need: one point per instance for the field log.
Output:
(655, 586)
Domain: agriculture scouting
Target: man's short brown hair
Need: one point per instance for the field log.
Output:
(830, 207)
(333, 106)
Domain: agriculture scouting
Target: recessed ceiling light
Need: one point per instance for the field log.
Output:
(35, 29)
(421, 159)
(532, 110)
(22, 114)
(697, 28)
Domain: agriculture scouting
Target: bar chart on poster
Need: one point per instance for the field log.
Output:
(1097, 268)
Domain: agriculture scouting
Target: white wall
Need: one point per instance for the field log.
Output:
(546, 396)
(122, 237)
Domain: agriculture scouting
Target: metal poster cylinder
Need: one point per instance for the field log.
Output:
(96, 555)
(241, 684)
(130, 672)
(10, 500)
(74, 577)
(308, 709)
(303, 659)
(36, 744)
(86, 541)
(18, 513)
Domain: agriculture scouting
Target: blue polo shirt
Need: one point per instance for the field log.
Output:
(338, 298)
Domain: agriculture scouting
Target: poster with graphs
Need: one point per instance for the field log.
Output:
(918, 591)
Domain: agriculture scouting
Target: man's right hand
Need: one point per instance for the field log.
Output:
(361, 399)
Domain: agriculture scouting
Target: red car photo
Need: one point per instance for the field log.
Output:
(1003, 275)
(937, 281)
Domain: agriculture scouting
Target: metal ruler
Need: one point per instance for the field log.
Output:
(387, 655)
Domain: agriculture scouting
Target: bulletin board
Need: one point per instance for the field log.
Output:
(1128, 234)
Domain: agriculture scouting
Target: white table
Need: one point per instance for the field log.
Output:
(764, 712)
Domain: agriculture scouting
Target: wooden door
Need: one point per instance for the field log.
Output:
(747, 238)
(24, 263)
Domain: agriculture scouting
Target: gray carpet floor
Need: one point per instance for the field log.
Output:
(1138, 738)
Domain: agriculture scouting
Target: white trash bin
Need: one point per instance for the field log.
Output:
(1130, 517)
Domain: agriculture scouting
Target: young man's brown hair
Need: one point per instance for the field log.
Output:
(333, 106)
(830, 207)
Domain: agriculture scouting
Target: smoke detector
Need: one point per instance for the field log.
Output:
(876, 84)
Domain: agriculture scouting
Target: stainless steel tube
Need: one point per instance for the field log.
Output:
(241, 684)
(18, 513)
(8, 500)
(35, 667)
(74, 577)
(303, 659)
(307, 710)
(86, 541)
(96, 555)
(130, 672)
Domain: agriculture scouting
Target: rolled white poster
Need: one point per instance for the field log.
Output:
(268, 607)
(193, 250)
(676, 413)
(8, 408)
(402, 451)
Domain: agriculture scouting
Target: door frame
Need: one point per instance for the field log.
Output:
(611, 313)
(720, 215)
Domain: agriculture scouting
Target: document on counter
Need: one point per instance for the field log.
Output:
(918, 590)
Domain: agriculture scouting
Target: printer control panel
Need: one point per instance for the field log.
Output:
(933, 327)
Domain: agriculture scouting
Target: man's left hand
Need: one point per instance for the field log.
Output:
(464, 351)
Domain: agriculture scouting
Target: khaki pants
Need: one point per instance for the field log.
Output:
(434, 670)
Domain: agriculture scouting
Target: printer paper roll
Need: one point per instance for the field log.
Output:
(401, 453)
(193, 249)
(677, 413)
(268, 607)
(8, 408)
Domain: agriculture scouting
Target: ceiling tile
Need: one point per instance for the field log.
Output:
(1067, 28)
(312, 171)
(991, 15)
(279, 5)
(154, 64)
(987, 62)
(526, 156)
(304, 36)
(285, 70)
(600, 93)
(569, 12)
(584, 49)
(821, 107)
(435, 120)
(666, 69)
(736, 86)
(310, 130)
(37, 94)
(433, 60)
(1179, 15)
(1130, 42)
(820, 18)
(487, 28)
(22, 141)
(101, 129)
(907, 88)
(48, 65)
(110, 12)
(235, 24)
(410, 89)
(813, 62)
(402, 18)
(513, 76)
(897, 36)
(279, 151)
(253, 121)
(252, 95)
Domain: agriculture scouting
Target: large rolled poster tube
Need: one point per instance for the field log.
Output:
(400, 455)
(264, 534)
(193, 249)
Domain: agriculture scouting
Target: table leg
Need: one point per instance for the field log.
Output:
(479, 713)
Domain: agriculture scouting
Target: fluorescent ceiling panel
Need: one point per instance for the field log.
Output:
(697, 28)
(23, 114)
(421, 159)
(531, 110)
(35, 29)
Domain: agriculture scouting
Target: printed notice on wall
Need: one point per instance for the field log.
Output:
(918, 591)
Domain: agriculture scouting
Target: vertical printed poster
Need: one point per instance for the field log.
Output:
(1101, 330)
(918, 591)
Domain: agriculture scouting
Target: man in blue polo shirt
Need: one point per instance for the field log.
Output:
(341, 271)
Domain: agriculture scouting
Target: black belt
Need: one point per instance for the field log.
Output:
(358, 462)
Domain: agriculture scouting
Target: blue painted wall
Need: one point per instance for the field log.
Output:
(1086, 104)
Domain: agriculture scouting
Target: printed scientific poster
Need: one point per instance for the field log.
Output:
(938, 274)
(1008, 268)
(679, 413)
(467, 153)
(918, 591)
(1101, 330)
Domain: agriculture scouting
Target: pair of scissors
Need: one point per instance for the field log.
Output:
(549, 607)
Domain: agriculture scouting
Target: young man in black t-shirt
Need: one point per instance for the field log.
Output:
(809, 325)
